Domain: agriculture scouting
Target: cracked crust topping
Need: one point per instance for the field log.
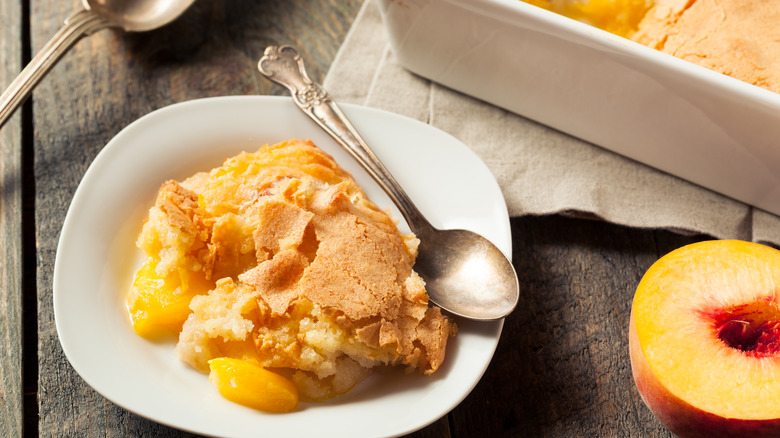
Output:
(738, 38)
(312, 278)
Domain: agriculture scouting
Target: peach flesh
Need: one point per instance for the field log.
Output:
(685, 420)
(733, 338)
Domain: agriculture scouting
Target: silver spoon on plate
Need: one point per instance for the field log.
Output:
(130, 15)
(464, 272)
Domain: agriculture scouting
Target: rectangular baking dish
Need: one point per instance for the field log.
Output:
(703, 126)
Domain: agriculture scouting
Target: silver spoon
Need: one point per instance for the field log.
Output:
(130, 15)
(464, 272)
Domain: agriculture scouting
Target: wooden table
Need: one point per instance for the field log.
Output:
(562, 366)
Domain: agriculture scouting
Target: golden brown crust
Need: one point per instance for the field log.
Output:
(308, 270)
(276, 280)
(739, 38)
(181, 207)
(282, 226)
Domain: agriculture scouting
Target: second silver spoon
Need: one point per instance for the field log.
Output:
(130, 15)
(464, 272)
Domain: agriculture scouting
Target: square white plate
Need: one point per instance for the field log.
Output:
(97, 258)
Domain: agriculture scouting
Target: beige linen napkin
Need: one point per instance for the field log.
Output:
(540, 170)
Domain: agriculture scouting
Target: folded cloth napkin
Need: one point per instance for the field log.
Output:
(540, 170)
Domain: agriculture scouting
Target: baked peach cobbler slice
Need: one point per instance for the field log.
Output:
(278, 267)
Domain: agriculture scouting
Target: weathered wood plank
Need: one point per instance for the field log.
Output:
(439, 429)
(107, 81)
(11, 386)
(562, 367)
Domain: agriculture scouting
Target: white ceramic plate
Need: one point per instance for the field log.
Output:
(97, 257)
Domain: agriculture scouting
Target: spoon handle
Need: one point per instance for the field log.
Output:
(79, 24)
(283, 64)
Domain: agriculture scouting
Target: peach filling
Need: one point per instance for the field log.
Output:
(753, 329)
(247, 383)
(620, 17)
(159, 305)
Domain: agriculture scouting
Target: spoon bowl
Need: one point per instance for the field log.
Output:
(138, 15)
(129, 15)
(464, 272)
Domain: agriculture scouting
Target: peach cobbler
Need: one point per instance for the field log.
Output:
(283, 280)
(738, 38)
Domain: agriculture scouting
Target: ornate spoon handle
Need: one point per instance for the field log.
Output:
(464, 272)
(283, 64)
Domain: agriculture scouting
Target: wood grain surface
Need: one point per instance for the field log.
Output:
(561, 368)
(11, 385)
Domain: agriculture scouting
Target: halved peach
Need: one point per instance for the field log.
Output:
(704, 340)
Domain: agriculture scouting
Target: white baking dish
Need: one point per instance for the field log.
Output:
(681, 118)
